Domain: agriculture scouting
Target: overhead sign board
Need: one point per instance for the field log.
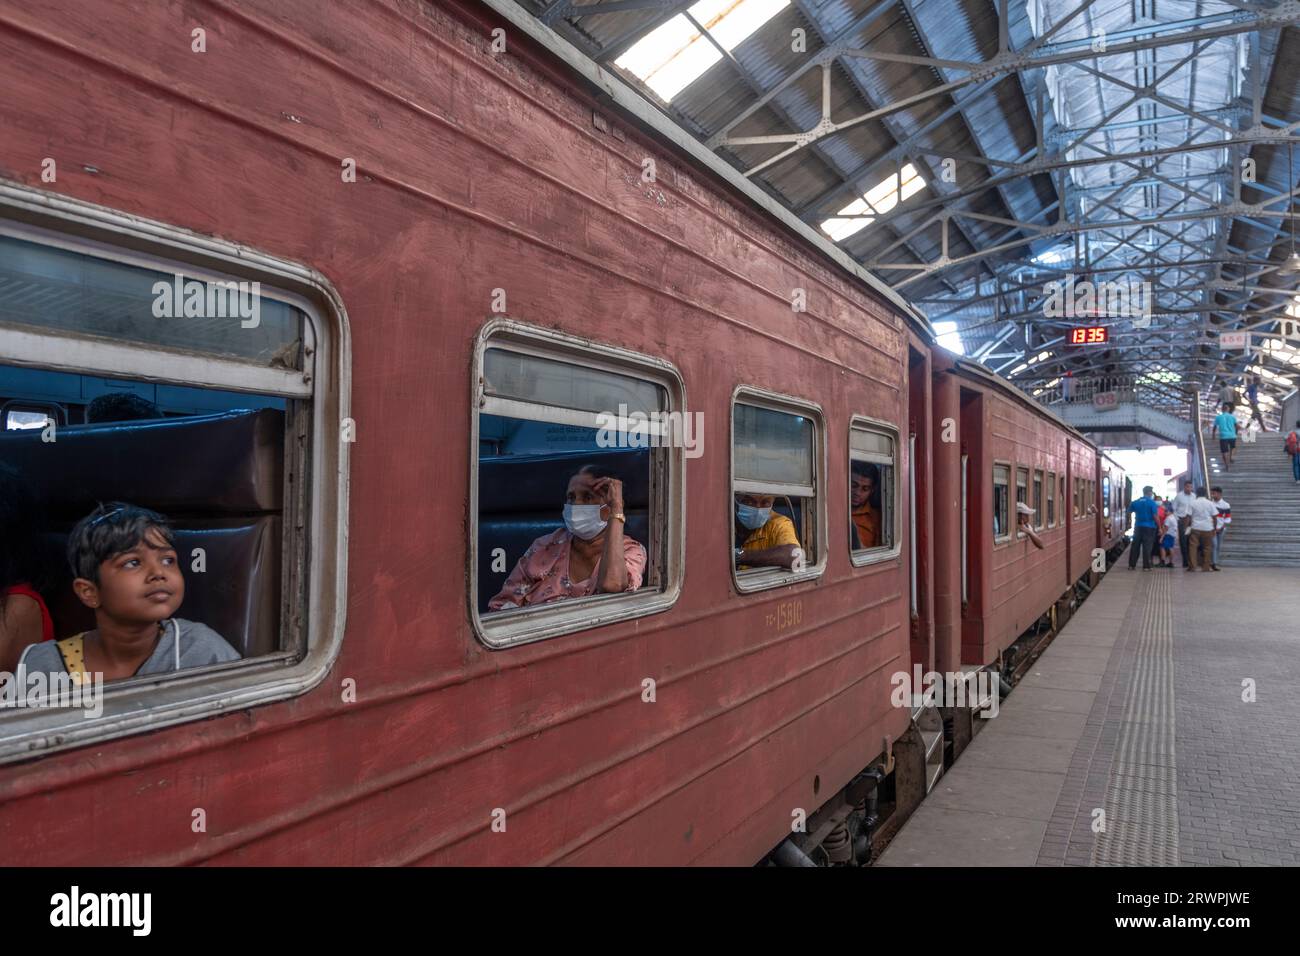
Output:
(1234, 340)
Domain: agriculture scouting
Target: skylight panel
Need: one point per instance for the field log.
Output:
(948, 337)
(670, 57)
(877, 200)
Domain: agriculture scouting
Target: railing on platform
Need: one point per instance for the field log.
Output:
(1108, 391)
(1199, 464)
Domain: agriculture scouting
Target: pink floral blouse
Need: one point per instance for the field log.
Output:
(542, 574)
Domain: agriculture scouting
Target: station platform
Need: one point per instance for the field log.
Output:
(1136, 710)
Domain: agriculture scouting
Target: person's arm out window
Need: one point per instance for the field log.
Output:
(780, 552)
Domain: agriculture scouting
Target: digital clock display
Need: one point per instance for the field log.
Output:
(1088, 335)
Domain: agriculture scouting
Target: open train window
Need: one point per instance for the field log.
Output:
(1039, 518)
(873, 502)
(776, 514)
(1022, 495)
(19, 415)
(1001, 502)
(184, 378)
(1051, 499)
(577, 484)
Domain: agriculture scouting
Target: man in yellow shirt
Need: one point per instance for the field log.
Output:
(769, 540)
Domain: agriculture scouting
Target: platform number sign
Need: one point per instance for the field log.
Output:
(1088, 335)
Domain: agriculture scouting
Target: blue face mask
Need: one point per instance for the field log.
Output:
(751, 517)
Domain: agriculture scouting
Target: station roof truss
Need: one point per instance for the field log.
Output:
(982, 157)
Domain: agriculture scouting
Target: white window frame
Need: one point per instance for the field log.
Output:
(861, 557)
(1006, 535)
(1040, 513)
(511, 627)
(316, 568)
(1053, 505)
(1029, 477)
(761, 579)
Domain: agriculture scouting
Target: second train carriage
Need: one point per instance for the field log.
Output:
(380, 451)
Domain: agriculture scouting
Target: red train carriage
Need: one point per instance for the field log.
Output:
(421, 441)
(1009, 451)
(1115, 493)
(380, 298)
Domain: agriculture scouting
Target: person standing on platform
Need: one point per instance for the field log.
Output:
(1224, 519)
(1183, 512)
(1144, 528)
(1170, 532)
(1205, 516)
(1293, 449)
(1225, 426)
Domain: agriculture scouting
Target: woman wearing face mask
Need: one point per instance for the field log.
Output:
(763, 539)
(589, 555)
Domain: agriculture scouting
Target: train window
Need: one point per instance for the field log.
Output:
(18, 415)
(1001, 502)
(1060, 501)
(57, 290)
(872, 490)
(1022, 495)
(775, 475)
(163, 398)
(577, 488)
(1051, 499)
(1039, 518)
(1105, 496)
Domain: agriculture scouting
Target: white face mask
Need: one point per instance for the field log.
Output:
(583, 521)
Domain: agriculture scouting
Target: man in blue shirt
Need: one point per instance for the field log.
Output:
(1225, 424)
(1144, 511)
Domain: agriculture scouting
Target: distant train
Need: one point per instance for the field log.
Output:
(359, 479)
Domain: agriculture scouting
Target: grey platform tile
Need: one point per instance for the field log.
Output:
(1039, 723)
(939, 836)
(1021, 752)
(1052, 699)
(1057, 677)
(1025, 794)
(1091, 660)
(1093, 638)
